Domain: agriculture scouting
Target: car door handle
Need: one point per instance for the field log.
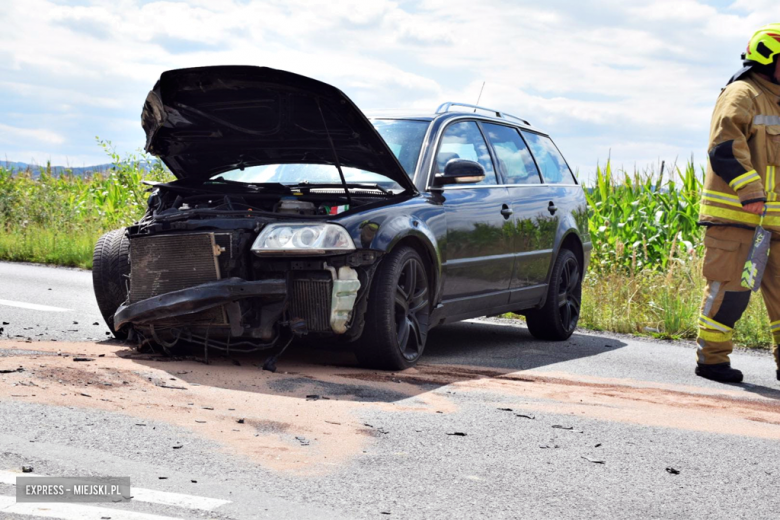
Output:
(506, 211)
(552, 208)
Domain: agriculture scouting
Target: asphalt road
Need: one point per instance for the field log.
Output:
(595, 427)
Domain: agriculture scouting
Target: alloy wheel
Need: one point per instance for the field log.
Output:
(411, 309)
(569, 294)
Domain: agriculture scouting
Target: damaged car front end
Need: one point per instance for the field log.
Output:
(268, 232)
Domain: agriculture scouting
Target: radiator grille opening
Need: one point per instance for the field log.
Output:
(164, 263)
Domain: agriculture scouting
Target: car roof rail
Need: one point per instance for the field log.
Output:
(445, 107)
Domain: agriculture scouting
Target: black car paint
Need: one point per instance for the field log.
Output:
(207, 120)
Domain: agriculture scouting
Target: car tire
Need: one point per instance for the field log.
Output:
(557, 319)
(398, 312)
(110, 269)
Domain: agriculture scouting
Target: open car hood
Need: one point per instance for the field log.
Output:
(207, 120)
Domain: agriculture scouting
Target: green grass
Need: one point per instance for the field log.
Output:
(50, 246)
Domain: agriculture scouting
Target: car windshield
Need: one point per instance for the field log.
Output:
(404, 137)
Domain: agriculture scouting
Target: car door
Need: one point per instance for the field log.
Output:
(564, 202)
(532, 225)
(478, 260)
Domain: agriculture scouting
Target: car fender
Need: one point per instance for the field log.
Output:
(396, 229)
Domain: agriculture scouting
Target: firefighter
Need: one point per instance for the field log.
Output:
(740, 187)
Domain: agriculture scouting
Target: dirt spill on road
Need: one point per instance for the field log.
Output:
(306, 418)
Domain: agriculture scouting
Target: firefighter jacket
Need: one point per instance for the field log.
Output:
(744, 154)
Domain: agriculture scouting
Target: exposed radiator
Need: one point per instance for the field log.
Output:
(164, 263)
(310, 300)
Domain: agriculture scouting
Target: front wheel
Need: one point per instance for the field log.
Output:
(397, 315)
(110, 269)
(558, 318)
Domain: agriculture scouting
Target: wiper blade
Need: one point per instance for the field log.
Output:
(250, 185)
(308, 186)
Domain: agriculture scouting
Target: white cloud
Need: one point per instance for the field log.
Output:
(14, 134)
(637, 75)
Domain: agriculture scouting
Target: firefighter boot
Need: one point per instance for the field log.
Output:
(720, 372)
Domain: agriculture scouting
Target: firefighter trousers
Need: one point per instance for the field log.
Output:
(725, 300)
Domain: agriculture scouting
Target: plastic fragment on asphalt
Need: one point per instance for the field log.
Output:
(457, 434)
(594, 461)
(505, 410)
(240, 421)
(83, 359)
(27, 469)
(315, 397)
(558, 426)
(180, 446)
(525, 416)
(672, 471)
(11, 371)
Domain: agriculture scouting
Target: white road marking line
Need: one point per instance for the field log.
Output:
(33, 306)
(177, 499)
(164, 498)
(8, 505)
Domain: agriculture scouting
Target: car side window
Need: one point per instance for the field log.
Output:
(464, 141)
(512, 154)
(551, 163)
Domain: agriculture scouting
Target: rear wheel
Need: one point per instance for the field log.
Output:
(110, 269)
(558, 318)
(398, 311)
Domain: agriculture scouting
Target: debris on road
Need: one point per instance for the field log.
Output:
(302, 440)
(240, 421)
(172, 387)
(558, 426)
(315, 397)
(83, 359)
(594, 461)
(597, 445)
(672, 471)
(457, 434)
(85, 395)
(27, 469)
(11, 370)
(525, 416)
(505, 409)
(208, 408)
(178, 447)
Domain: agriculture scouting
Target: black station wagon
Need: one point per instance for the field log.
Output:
(294, 216)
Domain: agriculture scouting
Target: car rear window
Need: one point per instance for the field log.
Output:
(551, 163)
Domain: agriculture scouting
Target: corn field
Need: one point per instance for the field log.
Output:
(641, 220)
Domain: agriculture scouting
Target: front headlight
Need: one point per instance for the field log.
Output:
(302, 238)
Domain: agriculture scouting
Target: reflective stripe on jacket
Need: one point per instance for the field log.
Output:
(744, 154)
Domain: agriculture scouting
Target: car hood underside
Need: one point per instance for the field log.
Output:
(208, 120)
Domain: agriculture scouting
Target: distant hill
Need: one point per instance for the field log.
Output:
(58, 170)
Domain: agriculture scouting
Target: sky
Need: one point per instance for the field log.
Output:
(631, 80)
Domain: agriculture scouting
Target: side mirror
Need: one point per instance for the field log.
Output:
(460, 171)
